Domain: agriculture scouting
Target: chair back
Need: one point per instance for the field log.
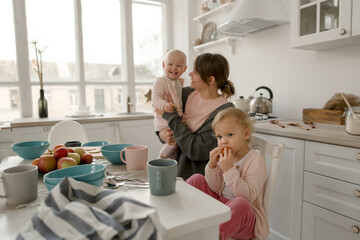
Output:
(276, 153)
(65, 131)
(3, 154)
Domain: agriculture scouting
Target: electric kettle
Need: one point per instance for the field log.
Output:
(261, 104)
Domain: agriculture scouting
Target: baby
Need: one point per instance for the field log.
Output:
(168, 87)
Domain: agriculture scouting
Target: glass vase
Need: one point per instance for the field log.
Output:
(42, 104)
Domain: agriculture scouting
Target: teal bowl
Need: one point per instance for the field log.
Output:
(84, 173)
(31, 149)
(96, 144)
(112, 153)
(98, 182)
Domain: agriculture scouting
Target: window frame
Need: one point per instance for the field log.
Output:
(22, 53)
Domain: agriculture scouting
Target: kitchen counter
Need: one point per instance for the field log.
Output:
(325, 133)
(32, 122)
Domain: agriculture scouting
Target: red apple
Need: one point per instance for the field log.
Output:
(61, 152)
(86, 158)
(58, 146)
(65, 162)
(47, 163)
(70, 150)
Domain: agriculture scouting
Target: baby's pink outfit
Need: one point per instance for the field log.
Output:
(161, 88)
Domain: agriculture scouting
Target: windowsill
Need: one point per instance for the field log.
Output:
(109, 117)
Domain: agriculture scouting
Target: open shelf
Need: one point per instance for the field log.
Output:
(225, 40)
(224, 7)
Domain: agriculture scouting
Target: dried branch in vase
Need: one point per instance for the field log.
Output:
(37, 66)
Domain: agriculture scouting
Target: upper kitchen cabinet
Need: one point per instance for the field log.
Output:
(324, 24)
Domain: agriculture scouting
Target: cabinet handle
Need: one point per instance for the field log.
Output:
(342, 31)
(356, 193)
(357, 156)
(45, 129)
(111, 124)
(355, 229)
(117, 124)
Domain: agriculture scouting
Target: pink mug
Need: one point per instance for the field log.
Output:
(135, 157)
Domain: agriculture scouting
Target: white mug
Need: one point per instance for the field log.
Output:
(20, 184)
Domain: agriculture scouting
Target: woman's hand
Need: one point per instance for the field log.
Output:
(226, 160)
(167, 136)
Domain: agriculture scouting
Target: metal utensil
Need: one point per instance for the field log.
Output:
(298, 125)
(277, 123)
(112, 184)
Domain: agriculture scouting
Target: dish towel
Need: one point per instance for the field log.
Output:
(77, 210)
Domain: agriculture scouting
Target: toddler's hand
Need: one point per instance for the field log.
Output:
(214, 157)
(226, 160)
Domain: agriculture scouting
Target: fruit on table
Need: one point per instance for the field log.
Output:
(86, 158)
(58, 146)
(65, 162)
(47, 163)
(75, 156)
(61, 152)
(70, 150)
(80, 151)
(35, 161)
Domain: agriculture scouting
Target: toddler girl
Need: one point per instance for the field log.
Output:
(236, 175)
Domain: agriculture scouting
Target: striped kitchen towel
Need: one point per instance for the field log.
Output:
(77, 210)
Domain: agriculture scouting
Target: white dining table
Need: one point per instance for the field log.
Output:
(186, 214)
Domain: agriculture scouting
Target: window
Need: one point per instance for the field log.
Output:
(84, 61)
(9, 86)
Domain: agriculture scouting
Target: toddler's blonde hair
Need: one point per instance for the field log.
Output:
(240, 116)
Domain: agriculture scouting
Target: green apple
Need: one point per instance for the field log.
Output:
(79, 151)
(75, 156)
(66, 162)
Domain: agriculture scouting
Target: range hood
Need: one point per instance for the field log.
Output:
(253, 15)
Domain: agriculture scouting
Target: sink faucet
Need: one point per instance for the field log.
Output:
(129, 104)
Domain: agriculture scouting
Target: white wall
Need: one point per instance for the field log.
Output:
(298, 78)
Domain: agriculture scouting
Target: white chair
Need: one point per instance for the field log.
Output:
(65, 131)
(3, 154)
(276, 153)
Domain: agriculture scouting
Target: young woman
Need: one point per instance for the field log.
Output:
(201, 102)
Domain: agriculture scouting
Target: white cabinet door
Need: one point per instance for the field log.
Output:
(286, 206)
(30, 134)
(319, 24)
(141, 132)
(356, 18)
(321, 224)
(100, 131)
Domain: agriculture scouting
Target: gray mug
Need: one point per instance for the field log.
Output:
(20, 184)
(162, 176)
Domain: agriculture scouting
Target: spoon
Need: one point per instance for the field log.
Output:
(298, 125)
(350, 108)
(112, 184)
(277, 123)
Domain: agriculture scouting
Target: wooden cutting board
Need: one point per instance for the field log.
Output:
(319, 115)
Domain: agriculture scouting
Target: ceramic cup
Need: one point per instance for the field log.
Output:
(135, 157)
(162, 176)
(20, 184)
